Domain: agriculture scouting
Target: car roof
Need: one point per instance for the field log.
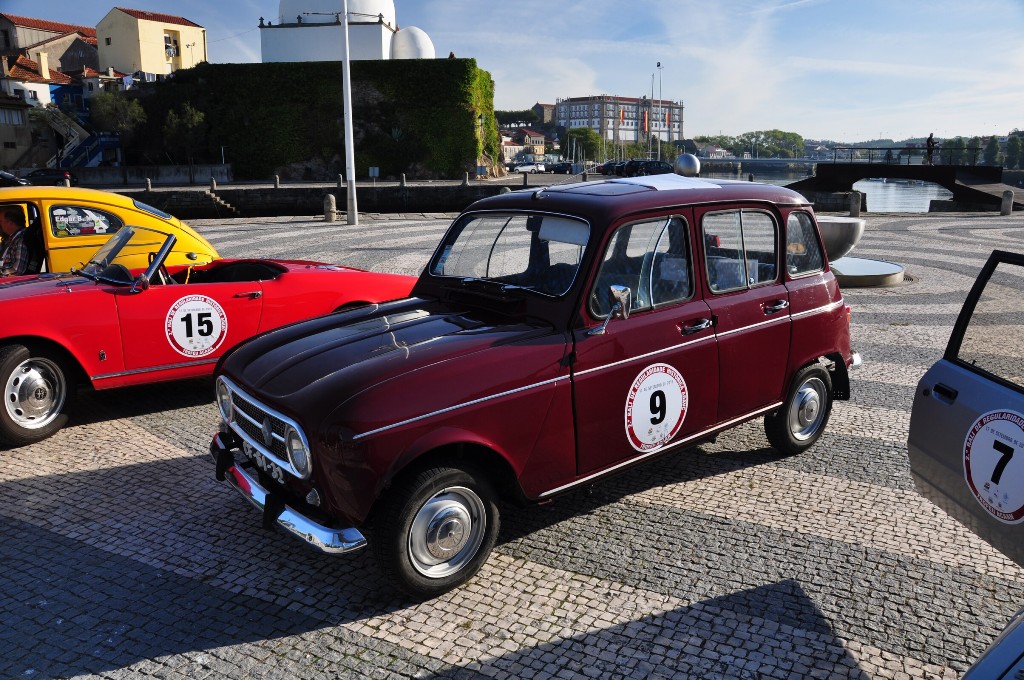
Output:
(33, 192)
(605, 201)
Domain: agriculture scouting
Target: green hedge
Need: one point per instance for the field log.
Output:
(418, 116)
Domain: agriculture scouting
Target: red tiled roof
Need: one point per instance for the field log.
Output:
(88, 72)
(44, 25)
(27, 71)
(156, 16)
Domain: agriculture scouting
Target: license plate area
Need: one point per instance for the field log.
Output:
(262, 462)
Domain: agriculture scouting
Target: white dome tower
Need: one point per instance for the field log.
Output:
(411, 43)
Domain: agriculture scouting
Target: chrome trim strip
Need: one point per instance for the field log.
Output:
(325, 539)
(759, 324)
(818, 310)
(631, 461)
(165, 367)
(639, 357)
(458, 406)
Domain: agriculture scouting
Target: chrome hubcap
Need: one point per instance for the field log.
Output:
(806, 413)
(35, 393)
(447, 532)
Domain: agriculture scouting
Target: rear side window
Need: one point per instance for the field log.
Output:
(994, 338)
(79, 220)
(741, 249)
(803, 253)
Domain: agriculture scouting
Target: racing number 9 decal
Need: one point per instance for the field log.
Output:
(196, 325)
(993, 473)
(655, 407)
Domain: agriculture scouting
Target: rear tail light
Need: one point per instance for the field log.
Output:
(849, 312)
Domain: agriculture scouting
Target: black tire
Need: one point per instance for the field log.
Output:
(801, 419)
(405, 530)
(38, 391)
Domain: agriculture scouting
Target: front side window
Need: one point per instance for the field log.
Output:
(79, 220)
(994, 338)
(803, 252)
(740, 248)
(531, 252)
(650, 258)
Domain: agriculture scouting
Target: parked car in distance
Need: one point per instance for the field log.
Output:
(556, 337)
(654, 168)
(631, 167)
(530, 168)
(966, 440)
(67, 225)
(110, 324)
(603, 168)
(564, 168)
(9, 180)
(618, 168)
(52, 177)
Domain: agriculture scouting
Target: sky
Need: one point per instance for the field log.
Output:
(826, 69)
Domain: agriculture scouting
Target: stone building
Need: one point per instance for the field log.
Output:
(623, 119)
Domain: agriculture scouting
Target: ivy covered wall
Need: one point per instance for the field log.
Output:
(419, 117)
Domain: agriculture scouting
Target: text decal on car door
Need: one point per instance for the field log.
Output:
(196, 325)
(655, 407)
(994, 464)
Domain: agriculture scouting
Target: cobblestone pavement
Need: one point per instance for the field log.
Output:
(123, 558)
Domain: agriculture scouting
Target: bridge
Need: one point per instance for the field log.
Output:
(971, 185)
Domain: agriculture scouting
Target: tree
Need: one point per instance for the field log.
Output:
(1013, 152)
(953, 151)
(973, 150)
(582, 142)
(185, 132)
(116, 112)
(524, 117)
(992, 151)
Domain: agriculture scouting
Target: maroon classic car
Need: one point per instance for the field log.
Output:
(556, 336)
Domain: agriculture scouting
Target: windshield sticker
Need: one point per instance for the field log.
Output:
(655, 407)
(196, 326)
(994, 464)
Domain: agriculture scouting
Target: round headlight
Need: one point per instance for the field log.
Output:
(298, 454)
(224, 400)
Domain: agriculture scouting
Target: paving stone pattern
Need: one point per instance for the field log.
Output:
(123, 558)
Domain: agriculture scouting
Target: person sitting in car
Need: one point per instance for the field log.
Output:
(14, 257)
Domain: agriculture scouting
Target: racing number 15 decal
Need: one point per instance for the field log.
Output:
(994, 464)
(196, 325)
(655, 407)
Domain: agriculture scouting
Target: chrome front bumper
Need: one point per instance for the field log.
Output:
(326, 539)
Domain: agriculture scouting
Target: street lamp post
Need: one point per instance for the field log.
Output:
(660, 108)
(352, 211)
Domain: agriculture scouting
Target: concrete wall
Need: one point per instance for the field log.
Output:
(157, 174)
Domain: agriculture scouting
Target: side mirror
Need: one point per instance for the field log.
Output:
(140, 284)
(623, 297)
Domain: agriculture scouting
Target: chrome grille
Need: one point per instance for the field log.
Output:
(250, 418)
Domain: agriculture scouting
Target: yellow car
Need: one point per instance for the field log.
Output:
(67, 224)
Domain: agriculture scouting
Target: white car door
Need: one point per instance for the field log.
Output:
(966, 442)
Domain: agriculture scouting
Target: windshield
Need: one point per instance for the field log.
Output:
(518, 251)
(108, 263)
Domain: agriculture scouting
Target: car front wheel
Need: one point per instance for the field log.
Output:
(802, 417)
(435, 530)
(37, 393)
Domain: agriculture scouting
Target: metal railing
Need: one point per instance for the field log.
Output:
(904, 155)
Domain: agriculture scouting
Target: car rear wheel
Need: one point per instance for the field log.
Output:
(435, 530)
(802, 417)
(37, 393)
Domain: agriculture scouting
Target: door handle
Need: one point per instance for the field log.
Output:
(943, 393)
(776, 306)
(697, 327)
(252, 294)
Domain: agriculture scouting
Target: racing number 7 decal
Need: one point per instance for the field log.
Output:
(196, 325)
(1007, 452)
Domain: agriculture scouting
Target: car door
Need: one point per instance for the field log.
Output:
(966, 441)
(750, 304)
(649, 381)
(181, 327)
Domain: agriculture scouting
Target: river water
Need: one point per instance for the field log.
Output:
(891, 196)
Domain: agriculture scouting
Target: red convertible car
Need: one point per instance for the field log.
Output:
(107, 326)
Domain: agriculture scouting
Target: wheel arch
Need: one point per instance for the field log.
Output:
(52, 348)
